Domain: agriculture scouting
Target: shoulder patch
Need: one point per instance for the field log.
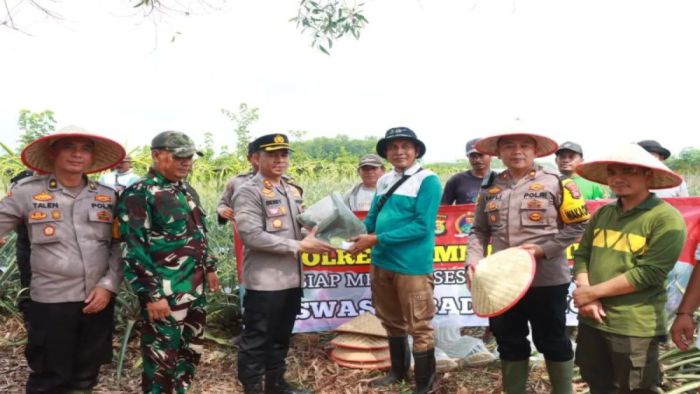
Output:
(573, 207)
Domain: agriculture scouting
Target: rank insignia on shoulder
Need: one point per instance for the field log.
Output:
(55, 215)
(104, 216)
(536, 186)
(53, 184)
(43, 196)
(494, 190)
(277, 223)
(103, 198)
(49, 231)
(38, 215)
(268, 193)
(92, 185)
(267, 184)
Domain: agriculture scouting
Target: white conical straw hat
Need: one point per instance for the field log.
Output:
(366, 323)
(359, 341)
(106, 153)
(501, 280)
(516, 127)
(632, 155)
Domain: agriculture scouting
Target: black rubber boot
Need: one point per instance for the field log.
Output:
(253, 388)
(424, 371)
(400, 363)
(275, 384)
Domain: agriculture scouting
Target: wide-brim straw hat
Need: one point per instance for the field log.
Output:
(501, 280)
(382, 365)
(545, 146)
(632, 155)
(359, 341)
(360, 356)
(366, 324)
(106, 153)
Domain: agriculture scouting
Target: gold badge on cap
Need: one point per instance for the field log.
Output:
(49, 231)
(43, 196)
(279, 139)
(277, 223)
(38, 215)
(55, 215)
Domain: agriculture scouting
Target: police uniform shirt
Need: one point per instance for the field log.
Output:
(72, 244)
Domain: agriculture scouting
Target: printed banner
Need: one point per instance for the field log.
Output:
(336, 288)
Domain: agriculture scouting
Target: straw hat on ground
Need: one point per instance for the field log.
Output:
(360, 356)
(360, 342)
(631, 155)
(106, 154)
(366, 324)
(357, 365)
(501, 280)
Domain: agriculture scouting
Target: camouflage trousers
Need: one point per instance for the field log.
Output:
(171, 348)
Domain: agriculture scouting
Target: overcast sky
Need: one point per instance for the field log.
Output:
(596, 72)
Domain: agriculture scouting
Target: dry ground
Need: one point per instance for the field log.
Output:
(308, 364)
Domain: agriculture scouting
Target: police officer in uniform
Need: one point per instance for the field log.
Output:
(265, 212)
(529, 207)
(75, 261)
(168, 263)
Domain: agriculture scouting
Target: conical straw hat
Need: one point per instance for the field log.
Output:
(106, 153)
(360, 356)
(501, 280)
(633, 155)
(489, 144)
(385, 364)
(366, 323)
(359, 341)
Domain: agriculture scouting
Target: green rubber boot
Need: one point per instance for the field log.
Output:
(561, 374)
(515, 376)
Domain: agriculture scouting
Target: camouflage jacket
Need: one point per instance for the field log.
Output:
(162, 224)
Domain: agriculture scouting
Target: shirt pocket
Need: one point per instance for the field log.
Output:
(44, 228)
(100, 222)
(533, 212)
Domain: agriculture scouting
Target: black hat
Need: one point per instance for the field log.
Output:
(270, 143)
(652, 146)
(471, 146)
(570, 146)
(399, 132)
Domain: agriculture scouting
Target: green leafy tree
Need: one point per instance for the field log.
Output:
(329, 20)
(686, 162)
(334, 148)
(34, 125)
(242, 120)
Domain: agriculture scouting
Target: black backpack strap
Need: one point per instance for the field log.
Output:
(385, 197)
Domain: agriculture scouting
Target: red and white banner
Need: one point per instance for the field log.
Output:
(336, 288)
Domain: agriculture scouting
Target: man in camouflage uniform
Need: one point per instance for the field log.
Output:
(265, 212)
(528, 206)
(168, 263)
(75, 262)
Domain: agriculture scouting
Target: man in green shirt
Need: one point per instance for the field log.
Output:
(620, 269)
(568, 156)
